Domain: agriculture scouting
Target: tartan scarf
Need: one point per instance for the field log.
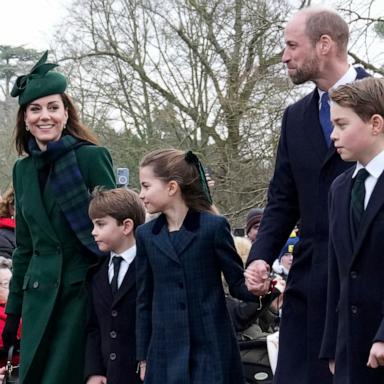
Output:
(68, 185)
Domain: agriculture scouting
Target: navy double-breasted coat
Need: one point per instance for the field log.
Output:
(49, 272)
(304, 171)
(111, 331)
(183, 328)
(355, 306)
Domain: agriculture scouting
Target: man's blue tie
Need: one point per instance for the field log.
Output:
(325, 118)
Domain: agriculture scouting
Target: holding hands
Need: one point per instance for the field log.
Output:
(376, 355)
(97, 379)
(257, 277)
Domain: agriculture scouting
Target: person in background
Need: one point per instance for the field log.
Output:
(7, 224)
(353, 341)
(5, 278)
(55, 250)
(111, 345)
(283, 263)
(253, 221)
(316, 50)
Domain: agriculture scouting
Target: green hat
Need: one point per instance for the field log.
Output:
(39, 82)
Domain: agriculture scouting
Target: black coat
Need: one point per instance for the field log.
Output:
(355, 290)
(305, 169)
(111, 342)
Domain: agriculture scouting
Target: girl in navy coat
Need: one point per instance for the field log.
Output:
(353, 339)
(184, 333)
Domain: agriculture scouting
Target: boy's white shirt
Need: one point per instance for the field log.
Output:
(128, 256)
(375, 168)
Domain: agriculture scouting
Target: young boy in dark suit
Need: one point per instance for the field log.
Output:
(353, 340)
(110, 351)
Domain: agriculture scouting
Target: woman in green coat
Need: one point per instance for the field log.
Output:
(54, 247)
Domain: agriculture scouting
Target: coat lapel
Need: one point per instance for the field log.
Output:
(163, 243)
(102, 285)
(36, 206)
(375, 203)
(188, 233)
(342, 205)
(127, 284)
(312, 126)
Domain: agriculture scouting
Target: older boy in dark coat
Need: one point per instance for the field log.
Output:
(111, 346)
(354, 334)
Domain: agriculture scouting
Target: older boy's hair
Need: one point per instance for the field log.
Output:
(119, 203)
(365, 97)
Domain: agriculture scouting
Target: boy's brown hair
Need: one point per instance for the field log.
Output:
(119, 203)
(365, 97)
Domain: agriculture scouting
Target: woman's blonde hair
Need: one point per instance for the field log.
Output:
(243, 246)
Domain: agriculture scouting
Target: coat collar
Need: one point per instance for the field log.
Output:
(34, 197)
(190, 223)
(101, 281)
(162, 241)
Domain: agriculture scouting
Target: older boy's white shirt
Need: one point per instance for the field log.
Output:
(375, 168)
(127, 256)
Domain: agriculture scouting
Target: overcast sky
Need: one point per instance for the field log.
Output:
(29, 22)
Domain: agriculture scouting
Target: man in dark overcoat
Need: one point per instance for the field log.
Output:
(316, 50)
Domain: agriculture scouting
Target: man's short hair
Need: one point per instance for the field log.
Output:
(323, 21)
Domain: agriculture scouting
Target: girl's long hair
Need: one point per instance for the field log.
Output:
(170, 164)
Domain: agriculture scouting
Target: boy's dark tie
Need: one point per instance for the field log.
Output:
(325, 118)
(357, 198)
(116, 260)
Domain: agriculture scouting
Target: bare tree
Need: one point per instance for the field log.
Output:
(195, 74)
(200, 74)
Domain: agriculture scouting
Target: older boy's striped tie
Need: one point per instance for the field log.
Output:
(325, 118)
(116, 261)
(357, 198)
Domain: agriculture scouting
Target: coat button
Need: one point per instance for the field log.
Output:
(114, 313)
(354, 309)
(182, 306)
(113, 334)
(353, 274)
(35, 284)
(181, 285)
(112, 356)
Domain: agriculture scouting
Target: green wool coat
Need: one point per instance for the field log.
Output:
(49, 272)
